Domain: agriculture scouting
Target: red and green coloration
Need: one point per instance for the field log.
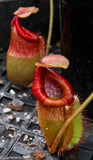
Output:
(25, 49)
(58, 109)
(56, 103)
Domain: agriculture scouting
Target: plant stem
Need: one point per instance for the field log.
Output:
(52, 149)
(50, 26)
(60, 22)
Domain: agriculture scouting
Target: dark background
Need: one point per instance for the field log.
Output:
(79, 39)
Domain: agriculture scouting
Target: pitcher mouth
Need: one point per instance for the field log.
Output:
(22, 32)
(51, 89)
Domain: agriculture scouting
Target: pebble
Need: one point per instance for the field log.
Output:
(12, 92)
(25, 138)
(2, 104)
(30, 138)
(3, 140)
(10, 117)
(1, 81)
(20, 96)
(28, 117)
(18, 119)
(24, 94)
(6, 110)
(2, 94)
(12, 135)
(25, 114)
